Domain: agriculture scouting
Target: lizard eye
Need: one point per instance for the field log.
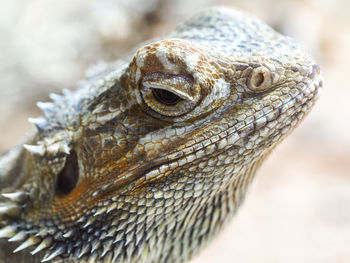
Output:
(166, 97)
(168, 94)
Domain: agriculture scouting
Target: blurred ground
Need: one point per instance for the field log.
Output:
(298, 209)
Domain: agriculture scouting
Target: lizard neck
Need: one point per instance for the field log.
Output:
(204, 221)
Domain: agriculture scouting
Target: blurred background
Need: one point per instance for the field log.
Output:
(298, 209)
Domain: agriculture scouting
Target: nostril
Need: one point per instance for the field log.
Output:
(67, 179)
(258, 79)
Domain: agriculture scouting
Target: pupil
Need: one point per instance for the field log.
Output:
(67, 179)
(166, 97)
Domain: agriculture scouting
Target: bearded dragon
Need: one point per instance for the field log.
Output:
(153, 154)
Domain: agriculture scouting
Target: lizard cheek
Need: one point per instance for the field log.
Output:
(67, 179)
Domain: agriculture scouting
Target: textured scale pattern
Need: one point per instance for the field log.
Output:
(153, 154)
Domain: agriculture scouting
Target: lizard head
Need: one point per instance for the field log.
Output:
(147, 159)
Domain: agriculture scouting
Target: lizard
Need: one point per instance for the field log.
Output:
(154, 153)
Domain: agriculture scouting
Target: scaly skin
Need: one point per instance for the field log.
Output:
(154, 154)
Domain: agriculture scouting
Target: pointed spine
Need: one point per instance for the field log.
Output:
(117, 253)
(15, 196)
(95, 245)
(100, 211)
(40, 123)
(65, 148)
(9, 209)
(58, 147)
(46, 107)
(108, 258)
(84, 250)
(106, 247)
(28, 243)
(67, 92)
(68, 234)
(35, 149)
(89, 222)
(52, 255)
(43, 245)
(55, 97)
(111, 232)
(92, 258)
(111, 207)
(18, 237)
(7, 232)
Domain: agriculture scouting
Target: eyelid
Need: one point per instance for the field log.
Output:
(179, 84)
(170, 88)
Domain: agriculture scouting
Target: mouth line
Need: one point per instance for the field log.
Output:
(132, 178)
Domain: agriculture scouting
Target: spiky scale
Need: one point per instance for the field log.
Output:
(93, 257)
(89, 222)
(40, 123)
(43, 245)
(7, 232)
(108, 257)
(130, 249)
(31, 241)
(35, 149)
(117, 255)
(68, 234)
(111, 207)
(100, 211)
(106, 247)
(18, 237)
(84, 250)
(46, 107)
(67, 92)
(81, 219)
(64, 147)
(14, 196)
(10, 209)
(42, 232)
(53, 149)
(51, 255)
(118, 237)
(111, 231)
(56, 97)
(95, 245)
